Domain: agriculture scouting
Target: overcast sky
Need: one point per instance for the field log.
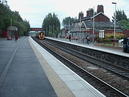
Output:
(35, 10)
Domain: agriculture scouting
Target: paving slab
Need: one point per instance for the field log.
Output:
(7, 48)
(25, 77)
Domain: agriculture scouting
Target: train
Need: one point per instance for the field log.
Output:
(40, 35)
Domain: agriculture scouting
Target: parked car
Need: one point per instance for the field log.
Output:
(120, 42)
(126, 44)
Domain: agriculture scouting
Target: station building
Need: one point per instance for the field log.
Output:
(103, 27)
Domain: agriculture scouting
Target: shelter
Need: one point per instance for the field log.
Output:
(11, 31)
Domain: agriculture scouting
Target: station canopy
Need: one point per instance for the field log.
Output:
(12, 28)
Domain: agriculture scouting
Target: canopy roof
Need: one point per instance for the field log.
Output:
(12, 28)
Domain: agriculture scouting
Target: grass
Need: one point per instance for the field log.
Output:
(108, 44)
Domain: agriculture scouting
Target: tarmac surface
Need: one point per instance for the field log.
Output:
(21, 74)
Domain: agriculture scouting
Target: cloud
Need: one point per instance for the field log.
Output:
(36, 10)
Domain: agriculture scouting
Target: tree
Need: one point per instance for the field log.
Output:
(68, 21)
(121, 19)
(120, 15)
(51, 25)
(12, 18)
(124, 24)
(4, 17)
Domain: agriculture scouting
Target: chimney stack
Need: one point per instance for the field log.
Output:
(81, 15)
(100, 8)
(90, 12)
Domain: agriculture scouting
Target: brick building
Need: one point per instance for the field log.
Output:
(102, 24)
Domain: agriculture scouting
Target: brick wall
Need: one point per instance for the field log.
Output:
(101, 18)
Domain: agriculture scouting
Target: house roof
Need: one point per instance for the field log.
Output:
(88, 24)
(100, 25)
(99, 14)
(89, 18)
(97, 25)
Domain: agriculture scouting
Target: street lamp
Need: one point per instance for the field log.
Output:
(80, 28)
(93, 27)
(114, 20)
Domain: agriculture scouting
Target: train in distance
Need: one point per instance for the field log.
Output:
(40, 35)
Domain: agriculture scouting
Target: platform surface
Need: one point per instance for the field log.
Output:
(91, 46)
(74, 83)
(21, 74)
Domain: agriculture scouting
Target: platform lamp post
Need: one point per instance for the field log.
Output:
(80, 28)
(114, 34)
(79, 32)
(93, 25)
(114, 20)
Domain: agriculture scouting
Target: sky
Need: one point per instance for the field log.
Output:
(35, 11)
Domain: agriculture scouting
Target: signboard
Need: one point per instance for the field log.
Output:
(12, 28)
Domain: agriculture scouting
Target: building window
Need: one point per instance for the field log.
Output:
(101, 33)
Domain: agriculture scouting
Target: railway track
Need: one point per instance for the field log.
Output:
(102, 86)
(119, 70)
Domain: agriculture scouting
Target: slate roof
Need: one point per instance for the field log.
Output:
(97, 25)
(100, 25)
(89, 24)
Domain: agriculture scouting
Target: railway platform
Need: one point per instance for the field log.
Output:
(28, 70)
(21, 74)
(112, 50)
